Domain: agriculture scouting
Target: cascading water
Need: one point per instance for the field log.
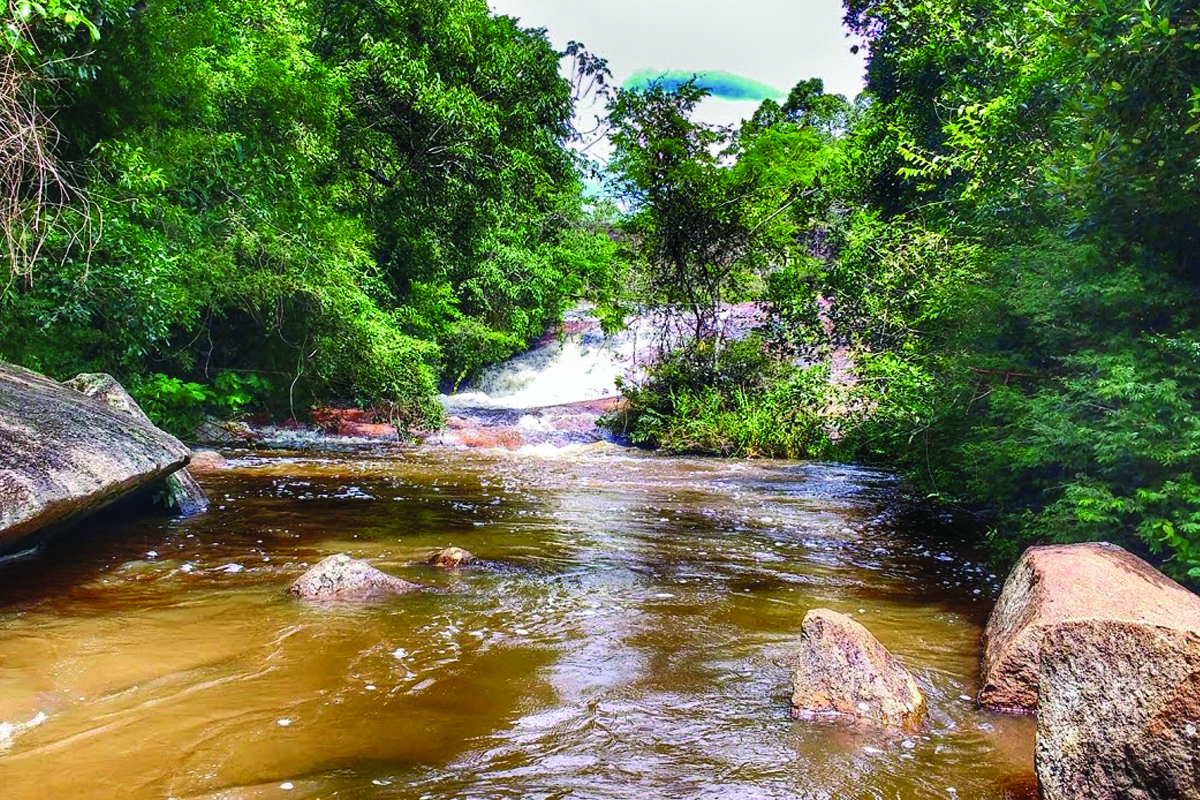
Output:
(553, 394)
(580, 364)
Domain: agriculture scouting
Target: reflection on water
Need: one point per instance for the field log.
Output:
(629, 638)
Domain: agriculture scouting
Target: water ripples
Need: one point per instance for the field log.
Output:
(629, 635)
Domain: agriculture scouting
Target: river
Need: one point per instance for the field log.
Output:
(630, 634)
(629, 637)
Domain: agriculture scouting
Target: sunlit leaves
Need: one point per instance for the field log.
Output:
(331, 193)
(1058, 138)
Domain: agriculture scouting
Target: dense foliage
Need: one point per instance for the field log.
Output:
(1001, 240)
(984, 272)
(1054, 145)
(340, 199)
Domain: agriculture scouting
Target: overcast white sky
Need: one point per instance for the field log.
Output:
(778, 42)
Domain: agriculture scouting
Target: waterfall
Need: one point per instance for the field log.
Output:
(554, 393)
(551, 395)
(579, 363)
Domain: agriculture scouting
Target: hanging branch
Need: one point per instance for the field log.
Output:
(35, 193)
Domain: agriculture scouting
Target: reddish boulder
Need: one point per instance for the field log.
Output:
(354, 422)
(340, 577)
(844, 673)
(1119, 717)
(206, 461)
(1054, 585)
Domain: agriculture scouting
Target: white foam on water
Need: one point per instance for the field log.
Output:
(583, 364)
(549, 450)
(9, 731)
(528, 422)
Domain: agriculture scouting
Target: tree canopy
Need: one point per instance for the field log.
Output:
(340, 199)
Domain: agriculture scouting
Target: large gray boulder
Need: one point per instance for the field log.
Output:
(183, 493)
(340, 577)
(1054, 585)
(64, 455)
(1119, 716)
(845, 674)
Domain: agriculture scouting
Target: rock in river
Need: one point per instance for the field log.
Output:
(844, 672)
(452, 558)
(64, 455)
(183, 492)
(207, 461)
(1054, 585)
(1119, 717)
(340, 577)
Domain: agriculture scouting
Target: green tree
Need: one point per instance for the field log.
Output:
(456, 149)
(666, 168)
(353, 200)
(701, 201)
(1053, 143)
(718, 215)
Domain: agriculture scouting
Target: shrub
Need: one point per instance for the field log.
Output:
(742, 402)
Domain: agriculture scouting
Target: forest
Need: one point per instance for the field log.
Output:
(982, 273)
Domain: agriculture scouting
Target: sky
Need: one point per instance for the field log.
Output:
(775, 43)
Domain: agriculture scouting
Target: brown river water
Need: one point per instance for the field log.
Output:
(630, 637)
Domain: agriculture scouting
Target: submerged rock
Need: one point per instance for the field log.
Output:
(1055, 585)
(1119, 717)
(206, 461)
(844, 672)
(342, 577)
(64, 455)
(452, 558)
(183, 493)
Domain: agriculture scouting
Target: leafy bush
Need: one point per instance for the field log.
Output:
(178, 406)
(365, 357)
(745, 404)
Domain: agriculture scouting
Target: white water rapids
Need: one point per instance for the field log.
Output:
(582, 364)
(547, 398)
(553, 394)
